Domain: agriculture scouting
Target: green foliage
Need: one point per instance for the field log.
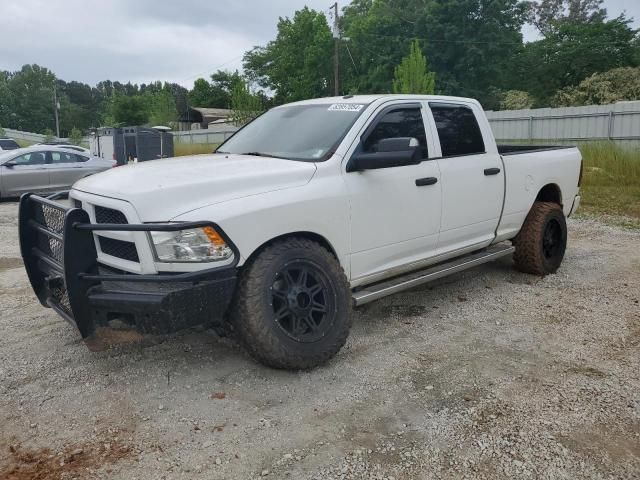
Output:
(2, 132)
(611, 182)
(413, 75)
(298, 63)
(516, 100)
(28, 94)
(546, 15)
(129, 111)
(245, 106)
(49, 135)
(162, 108)
(214, 94)
(571, 53)
(469, 43)
(75, 137)
(602, 88)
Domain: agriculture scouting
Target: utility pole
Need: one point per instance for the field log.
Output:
(336, 60)
(56, 107)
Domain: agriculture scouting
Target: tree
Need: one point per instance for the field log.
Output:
(162, 107)
(571, 53)
(214, 94)
(516, 100)
(129, 110)
(298, 63)
(245, 106)
(546, 15)
(602, 88)
(471, 44)
(32, 96)
(201, 94)
(413, 75)
(76, 136)
(378, 37)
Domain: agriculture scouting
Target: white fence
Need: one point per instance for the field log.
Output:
(26, 136)
(619, 122)
(202, 136)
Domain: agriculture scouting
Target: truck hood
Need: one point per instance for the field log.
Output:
(160, 190)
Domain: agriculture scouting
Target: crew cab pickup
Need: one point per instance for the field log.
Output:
(311, 209)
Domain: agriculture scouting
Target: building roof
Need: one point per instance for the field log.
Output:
(204, 115)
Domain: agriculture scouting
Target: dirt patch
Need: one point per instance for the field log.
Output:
(10, 263)
(73, 461)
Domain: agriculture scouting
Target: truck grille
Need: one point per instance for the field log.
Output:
(119, 249)
(109, 215)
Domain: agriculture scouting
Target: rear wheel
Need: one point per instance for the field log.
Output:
(542, 241)
(293, 305)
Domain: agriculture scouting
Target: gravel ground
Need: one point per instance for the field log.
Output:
(487, 374)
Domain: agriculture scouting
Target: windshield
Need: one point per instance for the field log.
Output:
(296, 132)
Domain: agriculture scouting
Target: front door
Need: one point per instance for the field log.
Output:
(26, 173)
(395, 212)
(472, 179)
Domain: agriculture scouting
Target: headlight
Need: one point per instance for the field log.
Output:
(192, 245)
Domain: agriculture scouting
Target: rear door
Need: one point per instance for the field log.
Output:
(472, 177)
(65, 169)
(28, 173)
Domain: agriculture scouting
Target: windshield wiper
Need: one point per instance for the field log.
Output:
(262, 154)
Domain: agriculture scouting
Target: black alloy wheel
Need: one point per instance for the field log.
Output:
(303, 301)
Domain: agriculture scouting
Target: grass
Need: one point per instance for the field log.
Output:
(182, 149)
(611, 183)
(24, 143)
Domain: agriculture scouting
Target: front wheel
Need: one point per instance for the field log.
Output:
(293, 305)
(542, 241)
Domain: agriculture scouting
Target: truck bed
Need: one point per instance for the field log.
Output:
(518, 149)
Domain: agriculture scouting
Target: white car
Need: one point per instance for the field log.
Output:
(312, 208)
(8, 144)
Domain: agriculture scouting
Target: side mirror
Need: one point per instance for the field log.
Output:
(392, 152)
(9, 164)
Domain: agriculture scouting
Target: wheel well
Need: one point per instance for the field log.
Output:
(308, 235)
(550, 193)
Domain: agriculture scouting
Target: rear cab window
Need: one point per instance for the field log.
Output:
(458, 129)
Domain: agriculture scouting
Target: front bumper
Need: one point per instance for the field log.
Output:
(60, 258)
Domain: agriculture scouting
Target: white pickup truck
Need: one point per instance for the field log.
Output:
(311, 209)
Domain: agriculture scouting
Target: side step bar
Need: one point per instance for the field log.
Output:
(389, 287)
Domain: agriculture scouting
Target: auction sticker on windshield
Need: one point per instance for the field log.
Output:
(345, 107)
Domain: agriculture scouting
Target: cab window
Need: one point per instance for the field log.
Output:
(458, 129)
(397, 123)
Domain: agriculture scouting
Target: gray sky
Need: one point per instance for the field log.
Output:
(146, 40)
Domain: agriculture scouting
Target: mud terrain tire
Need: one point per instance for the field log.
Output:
(542, 241)
(293, 305)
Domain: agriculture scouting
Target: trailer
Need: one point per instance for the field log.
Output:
(127, 144)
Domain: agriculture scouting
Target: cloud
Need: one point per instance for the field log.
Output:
(137, 41)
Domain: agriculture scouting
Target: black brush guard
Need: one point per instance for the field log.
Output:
(59, 252)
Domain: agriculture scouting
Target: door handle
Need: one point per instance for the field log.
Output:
(423, 182)
(491, 171)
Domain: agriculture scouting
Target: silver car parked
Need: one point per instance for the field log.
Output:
(44, 168)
